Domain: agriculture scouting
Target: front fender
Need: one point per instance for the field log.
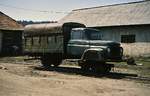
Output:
(93, 54)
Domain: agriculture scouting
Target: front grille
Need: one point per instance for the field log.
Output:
(115, 53)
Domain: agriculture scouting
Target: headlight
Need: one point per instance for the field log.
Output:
(108, 50)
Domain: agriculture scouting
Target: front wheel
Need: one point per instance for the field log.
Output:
(85, 67)
(102, 67)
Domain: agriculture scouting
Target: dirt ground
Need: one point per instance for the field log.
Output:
(23, 79)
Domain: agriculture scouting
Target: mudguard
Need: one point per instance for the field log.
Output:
(93, 54)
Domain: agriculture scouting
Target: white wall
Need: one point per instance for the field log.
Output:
(142, 45)
(136, 49)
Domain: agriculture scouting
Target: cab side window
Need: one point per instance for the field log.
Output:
(77, 34)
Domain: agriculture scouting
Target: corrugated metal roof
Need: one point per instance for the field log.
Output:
(7, 23)
(135, 13)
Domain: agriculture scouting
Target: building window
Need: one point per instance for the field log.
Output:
(127, 38)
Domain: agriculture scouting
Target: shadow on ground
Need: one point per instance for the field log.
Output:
(78, 71)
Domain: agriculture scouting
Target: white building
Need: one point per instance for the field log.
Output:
(128, 23)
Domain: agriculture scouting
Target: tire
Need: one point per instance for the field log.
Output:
(57, 60)
(51, 59)
(56, 63)
(101, 67)
(84, 66)
(45, 62)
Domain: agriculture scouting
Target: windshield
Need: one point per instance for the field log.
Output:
(93, 34)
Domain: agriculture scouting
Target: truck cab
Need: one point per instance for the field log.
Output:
(93, 52)
(83, 39)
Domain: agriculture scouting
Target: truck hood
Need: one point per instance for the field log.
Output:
(103, 43)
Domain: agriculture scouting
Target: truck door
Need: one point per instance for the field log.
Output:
(67, 27)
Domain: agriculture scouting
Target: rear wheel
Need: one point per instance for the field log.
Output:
(49, 60)
(56, 62)
(46, 62)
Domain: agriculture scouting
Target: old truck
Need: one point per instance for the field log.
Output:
(54, 42)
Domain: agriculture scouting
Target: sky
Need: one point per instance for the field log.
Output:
(49, 10)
